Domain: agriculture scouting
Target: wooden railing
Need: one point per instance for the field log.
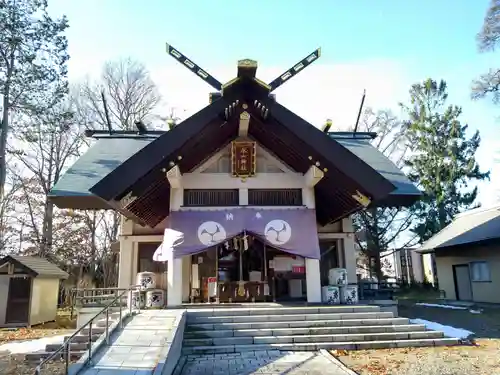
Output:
(373, 290)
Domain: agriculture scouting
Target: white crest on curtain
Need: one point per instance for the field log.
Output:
(171, 239)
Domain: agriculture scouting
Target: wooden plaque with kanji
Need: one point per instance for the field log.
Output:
(243, 159)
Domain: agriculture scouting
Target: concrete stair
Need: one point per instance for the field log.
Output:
(80, 343)
(303, 329)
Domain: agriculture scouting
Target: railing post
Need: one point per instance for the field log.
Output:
(130, 301)
(90, 342)
(107, 326)
(120, 302)
(68, 354)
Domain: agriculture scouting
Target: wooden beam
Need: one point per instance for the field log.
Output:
(332, 153)
(174, 177)
(313, 176)
(243, 124)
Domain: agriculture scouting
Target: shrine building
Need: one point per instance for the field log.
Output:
(263, 198)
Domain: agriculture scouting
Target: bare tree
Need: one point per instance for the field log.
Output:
(130, 92)
(9, 235)
(379, 230)
(131, 96)
(488, 84)
(46, 144)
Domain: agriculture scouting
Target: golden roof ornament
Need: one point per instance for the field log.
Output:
(247, 63)
(361, 199)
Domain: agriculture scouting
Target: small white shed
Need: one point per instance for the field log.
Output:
(29, 290)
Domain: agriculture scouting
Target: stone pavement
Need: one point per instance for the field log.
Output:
(271, 362)
(137, 348)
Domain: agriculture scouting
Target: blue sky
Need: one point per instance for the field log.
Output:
(382, 45)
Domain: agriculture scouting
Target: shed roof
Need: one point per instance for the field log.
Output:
(103, 157)
(467, 228)
(406, 192)
(38, 266)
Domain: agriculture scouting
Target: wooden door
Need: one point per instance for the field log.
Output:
(461, 278)
(18, 302)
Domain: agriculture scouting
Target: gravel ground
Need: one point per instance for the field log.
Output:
(16, 365)
(478, 359)
(484, 358)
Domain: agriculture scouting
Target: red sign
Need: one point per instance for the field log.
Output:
(211, 280)
(298, 269)
(243, 159)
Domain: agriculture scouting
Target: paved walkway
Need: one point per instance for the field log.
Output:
(137, 348)
(259, 363)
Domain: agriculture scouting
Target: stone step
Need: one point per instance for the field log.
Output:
(289, 317)
(95, 331)
(303, 331)
(191, 327)
(38, 356)
(74, 346)
(102, 322)
(82, 338)
(301, 310)
(248, 340)
(345, 345)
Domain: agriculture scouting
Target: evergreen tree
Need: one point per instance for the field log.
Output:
(442, 158)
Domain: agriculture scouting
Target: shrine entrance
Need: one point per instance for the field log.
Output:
(244, 269)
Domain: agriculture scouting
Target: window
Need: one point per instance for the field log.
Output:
(480, 271)
(221, 197)
(275, 197)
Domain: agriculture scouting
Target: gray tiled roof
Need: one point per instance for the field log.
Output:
(40, 266)
(111, 151)
(362, 148)
(103, 156)
(467, 228)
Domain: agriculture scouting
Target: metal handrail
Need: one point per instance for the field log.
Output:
(76, 298)
(66, 345)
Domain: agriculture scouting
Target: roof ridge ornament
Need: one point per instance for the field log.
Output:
(247, 68)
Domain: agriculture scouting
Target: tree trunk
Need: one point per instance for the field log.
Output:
(4, 132)
(48, 224)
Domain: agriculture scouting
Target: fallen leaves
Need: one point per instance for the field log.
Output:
(20, 334)
(482, 357)
(13, 365)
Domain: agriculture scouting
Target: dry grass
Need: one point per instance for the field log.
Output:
(483, 358)
(62, 325)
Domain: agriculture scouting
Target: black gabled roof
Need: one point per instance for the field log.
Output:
(38, 267)
(160, 152)
(289, 137)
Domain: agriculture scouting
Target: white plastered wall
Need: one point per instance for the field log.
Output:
(180, 269)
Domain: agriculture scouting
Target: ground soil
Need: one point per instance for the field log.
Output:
(482, 357)
(14, 364)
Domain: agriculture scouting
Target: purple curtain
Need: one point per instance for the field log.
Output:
(291, 230)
